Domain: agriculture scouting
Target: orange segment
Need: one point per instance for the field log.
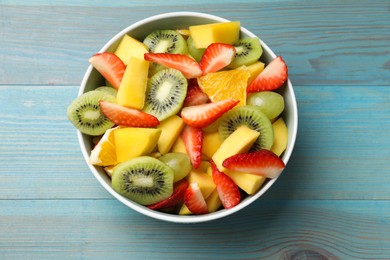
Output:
(222, 85)
(104, 154)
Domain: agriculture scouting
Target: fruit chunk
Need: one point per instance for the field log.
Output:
(249, 183)
(175, 199)
(203, 115)
(144, 180)
(227, 190)
(110, 66)
(206, 34)
(194, 200)
(104, 153)
(179, 162)
(205, 182)
(213, 201)
(170, 130)
(254, 70)
(271, 78)
(192, 138)
(211, 143)
(195, 96)
(240, 141)
(217, 56)
(179, 146)
(189, 67)
(264, 163)
(222, 85)
(269, 102)
(129, 47)
(131, 142)
(280, 137)
(125, 116)
(131, 92)
(248, 51)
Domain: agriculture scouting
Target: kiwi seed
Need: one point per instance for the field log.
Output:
(248, 51)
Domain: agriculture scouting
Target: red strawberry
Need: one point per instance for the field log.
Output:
(195, 96)
(189, 67)
(125, 116)
(216, 57)
(175, 199)
(192, 138)
(194, 199)
(263, 162)
(110, 66)
(228, 191)
(203, 115)
(272, 77)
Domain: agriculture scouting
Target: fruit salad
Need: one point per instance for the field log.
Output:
(189, 120)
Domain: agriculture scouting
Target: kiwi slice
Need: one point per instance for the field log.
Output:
(166, 41)
(252, 117)
(248, 51)
(145, 180)
(108, 90)
(85, 114)
(193, 51)
(165, 93)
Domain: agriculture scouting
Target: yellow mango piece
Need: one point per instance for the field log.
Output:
(206, 34)
(170, 131)
(129, 47)
(131, 142)
(213, 201)
(250, 183)
(131, 92)
(280, 137)
(240, 141)
(204, 165)
(184, 210)
(211, 143)
(205, 182)
(178, 146)
(254, 70)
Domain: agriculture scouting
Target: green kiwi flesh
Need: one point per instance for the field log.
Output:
(165, 93)
(144, 180)
(109, 90)
(252, 117)
(166, 41)
(85, 114)
(248, 51)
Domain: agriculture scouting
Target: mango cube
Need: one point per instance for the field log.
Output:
(206, 34)
(280, 137)
(129, 47)
(211, 143)
(170, 130)
(204, 180)
(132, 89)
(254, 70)
(178, 146)
(240, 141)
(131, 142)
(213, 201)
(250, 183)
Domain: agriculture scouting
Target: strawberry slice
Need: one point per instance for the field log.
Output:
(193, 138)
(125, 116)
(110, 66)
(177, 197)
(195, 96)
(189, 67)
(216, 57)
(203, 115)
(271, 78)
(262, 162)
(194, 200)
(228, 191)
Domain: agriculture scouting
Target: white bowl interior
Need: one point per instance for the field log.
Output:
(178, 20)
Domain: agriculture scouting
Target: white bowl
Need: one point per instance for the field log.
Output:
(179, 20)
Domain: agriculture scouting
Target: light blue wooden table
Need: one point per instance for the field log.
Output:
(332, 201)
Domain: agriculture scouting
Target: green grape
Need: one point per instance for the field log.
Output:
(179, 162)
(269, 102)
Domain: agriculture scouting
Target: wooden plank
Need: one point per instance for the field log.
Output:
(282, 229)
(51, 44)
(341, 150)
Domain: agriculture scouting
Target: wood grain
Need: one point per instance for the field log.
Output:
(321, 44)
(281, 229)
(341, 150)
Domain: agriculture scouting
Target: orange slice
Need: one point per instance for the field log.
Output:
(104, 153)
(229, 84)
